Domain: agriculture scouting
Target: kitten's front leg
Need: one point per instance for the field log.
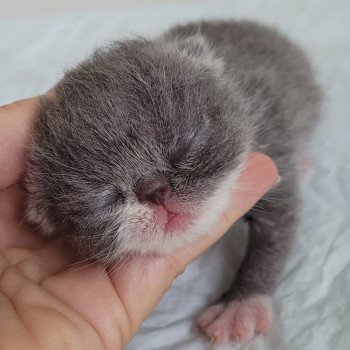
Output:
(245, 309)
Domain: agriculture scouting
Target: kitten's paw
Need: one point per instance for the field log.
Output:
(239, 321)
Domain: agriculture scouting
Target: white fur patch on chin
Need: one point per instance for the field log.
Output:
(239, 321)
(140, 234)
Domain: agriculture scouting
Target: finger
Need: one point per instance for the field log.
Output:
(89, 291)
(49, 322)
(142, 283)
(258, 176)
(36, 264)
(16, 121)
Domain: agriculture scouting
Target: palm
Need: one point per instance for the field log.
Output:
(41, 276)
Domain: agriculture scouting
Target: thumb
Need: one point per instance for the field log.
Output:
(16, 121)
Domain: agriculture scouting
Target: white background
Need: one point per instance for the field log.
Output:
(11, 8)
(37, 42)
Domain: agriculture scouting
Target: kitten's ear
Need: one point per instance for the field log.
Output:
(198, 48)
(194, 46)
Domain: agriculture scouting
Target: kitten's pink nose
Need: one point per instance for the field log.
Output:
(155, 191)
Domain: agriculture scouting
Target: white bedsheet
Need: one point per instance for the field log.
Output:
(313, 300)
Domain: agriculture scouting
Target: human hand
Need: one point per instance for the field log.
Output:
(49, 302)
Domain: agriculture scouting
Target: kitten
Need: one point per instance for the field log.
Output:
(139, 148)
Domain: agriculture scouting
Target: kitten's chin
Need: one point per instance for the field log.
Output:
(169, 232)
(157, 230)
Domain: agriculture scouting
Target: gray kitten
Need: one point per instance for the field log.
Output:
(139, 148)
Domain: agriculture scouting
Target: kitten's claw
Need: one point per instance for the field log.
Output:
(239, 321)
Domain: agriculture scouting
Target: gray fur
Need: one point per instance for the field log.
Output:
(187, 106)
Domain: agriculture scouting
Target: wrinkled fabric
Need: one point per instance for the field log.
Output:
(313, 300)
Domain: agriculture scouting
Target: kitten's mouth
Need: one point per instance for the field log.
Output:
(177, 221)
(171, 220)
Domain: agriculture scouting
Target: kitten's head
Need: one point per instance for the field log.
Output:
(137, 151)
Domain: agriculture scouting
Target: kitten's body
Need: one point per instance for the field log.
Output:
(179, 113)
(276, 79)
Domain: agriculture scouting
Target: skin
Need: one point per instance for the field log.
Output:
(47, 300)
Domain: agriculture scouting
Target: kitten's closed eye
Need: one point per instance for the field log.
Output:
(104, 197)
(177, 156)
(112, 197)
(188, 147)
